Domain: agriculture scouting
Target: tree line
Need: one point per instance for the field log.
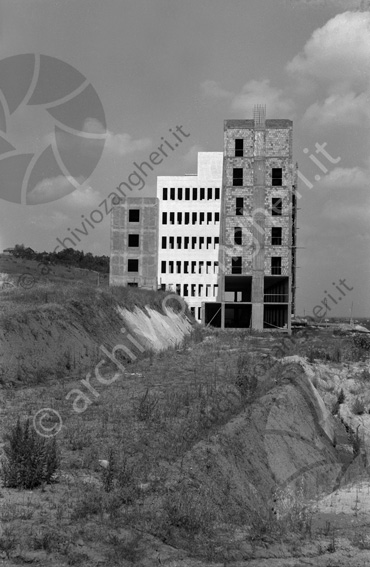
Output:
(67, 257)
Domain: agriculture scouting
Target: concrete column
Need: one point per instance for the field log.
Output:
(257, 316)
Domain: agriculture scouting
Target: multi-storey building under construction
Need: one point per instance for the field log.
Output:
(224, 239)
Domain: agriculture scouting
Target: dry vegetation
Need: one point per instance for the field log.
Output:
(145, 504)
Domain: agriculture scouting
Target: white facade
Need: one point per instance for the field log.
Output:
(189, 231)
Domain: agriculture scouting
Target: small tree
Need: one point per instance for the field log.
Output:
(29, 459)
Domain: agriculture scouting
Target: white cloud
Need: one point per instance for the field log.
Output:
(121, 144)
(346, 4)
(338, 52)
(84, 196)
(345, 178)
(212, 89)
(261, 92)
(345, 195)
(93, 126)
(50, 189)
(254, 92)
(49, 221)
(336, 58)
(347, 109)
(124, 144)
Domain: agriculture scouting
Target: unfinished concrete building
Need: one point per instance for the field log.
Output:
(225, 238)
(134, 243)
(189, 230)
(256, 280)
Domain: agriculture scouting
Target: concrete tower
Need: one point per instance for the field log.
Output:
(256, 282)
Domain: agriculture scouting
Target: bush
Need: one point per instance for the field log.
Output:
(362, 341)
(358, 407)
(356, 443)
(30, 460)
(146, 407)
(365, 375)
(336, 355)
(335, 408)
(341, 397)
(246, 380)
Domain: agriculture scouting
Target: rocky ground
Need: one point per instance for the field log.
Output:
(227, 470)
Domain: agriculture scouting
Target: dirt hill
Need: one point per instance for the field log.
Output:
(50, 331)
(223, 449)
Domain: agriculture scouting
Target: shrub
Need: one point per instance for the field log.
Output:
(358, 407)
(356, 443)
(185, 511)
(246, 380)
(119, 477)
(29, 459)
(130, 550)
(365, 375)
(341, 397)
(336, 355)
(316, 353)
(362, 341)
(146, 408)
(90, 503)
(8, 541)
(335, 408)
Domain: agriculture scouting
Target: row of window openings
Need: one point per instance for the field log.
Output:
(133, 240)
(239, 148)
(189, 267)
(190, 290)
(276, 236)
(203, 267)
(276, 210)
(276, 206)
(194, 217)
(236, 265)
(197, 243)
(197, 290)
(276, 176)
(190, 192)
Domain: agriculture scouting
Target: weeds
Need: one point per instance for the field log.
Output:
(124, 550)
(359, 347)
(8, 541)
(90, 504)
(365, 375)
(341, 397)
(185, 511)
(361, 541)
(30, 460)
(78, 438)
(119, 477)
(332, 545)
(333, 355)
(358, 407)
(146, 407)
(246, 380)
(335, 408)
(356, 444)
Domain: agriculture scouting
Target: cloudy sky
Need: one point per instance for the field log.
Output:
(159, 64)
